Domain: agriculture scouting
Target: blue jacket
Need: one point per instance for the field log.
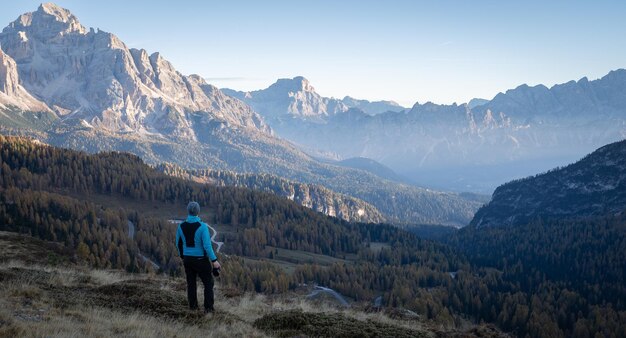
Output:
(194, 239)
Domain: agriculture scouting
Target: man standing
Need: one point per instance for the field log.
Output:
(194, 247)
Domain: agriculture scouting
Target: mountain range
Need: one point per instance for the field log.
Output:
(296, 98)
(468, 147)
(85, 89)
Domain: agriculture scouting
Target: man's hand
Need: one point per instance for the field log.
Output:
(216, 265)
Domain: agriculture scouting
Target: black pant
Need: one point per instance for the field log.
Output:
(194, 267)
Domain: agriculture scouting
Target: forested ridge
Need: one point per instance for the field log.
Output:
(55, 194)
(310, 195)
(592, 186)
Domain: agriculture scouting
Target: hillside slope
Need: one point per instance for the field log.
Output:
(593, 186)
(311, 196)
(71, 299)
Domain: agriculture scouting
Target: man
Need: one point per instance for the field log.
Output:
(194, 247)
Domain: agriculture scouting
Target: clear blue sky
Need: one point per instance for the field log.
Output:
(407, 51)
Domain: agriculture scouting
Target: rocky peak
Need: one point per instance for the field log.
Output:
(95, 78)
(61, 14)
(297, 84)
(48, 21)
(292, 97)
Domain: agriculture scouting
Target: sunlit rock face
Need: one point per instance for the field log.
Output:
(93, 76)
(12, 94)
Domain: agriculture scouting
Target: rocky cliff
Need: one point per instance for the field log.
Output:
(91, 76)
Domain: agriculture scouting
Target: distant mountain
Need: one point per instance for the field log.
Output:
(604, 97)
(290, 98)
(473, 103)
(593, 186)
(85, 89)
(296, 98)
(312, 196)
(476, 148)
(373, 107)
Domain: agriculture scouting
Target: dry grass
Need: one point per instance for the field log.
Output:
(30, 306)
(42, 301)
(29, 250)
(103, 322)
(64, 275)
(288, 304)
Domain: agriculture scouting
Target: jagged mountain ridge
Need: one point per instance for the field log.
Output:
(105, 96)
(312, 196)
(296, 98)
(92, 76)
(461, 147)
(290, 98)
(593, 186)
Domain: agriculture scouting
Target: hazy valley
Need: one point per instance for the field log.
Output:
(520, 132)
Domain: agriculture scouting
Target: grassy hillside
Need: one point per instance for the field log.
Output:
(69, 299)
